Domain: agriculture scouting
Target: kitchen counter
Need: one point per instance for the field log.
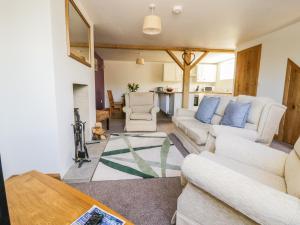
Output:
(194, 92)
(169, 102)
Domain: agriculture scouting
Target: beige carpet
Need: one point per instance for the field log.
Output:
(143, 201)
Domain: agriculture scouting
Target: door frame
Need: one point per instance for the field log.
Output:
(285, 98)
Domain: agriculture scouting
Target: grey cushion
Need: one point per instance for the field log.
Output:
(236, 114)
(207, 109)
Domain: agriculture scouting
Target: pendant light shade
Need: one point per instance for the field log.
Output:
(140, 61)
(152, 23)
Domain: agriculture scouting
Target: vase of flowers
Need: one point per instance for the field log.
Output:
(133, 87)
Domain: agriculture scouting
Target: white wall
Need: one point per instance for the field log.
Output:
(36, 91)
(68, 71)
(28, 130)
(277, 47)
(223, 85)
(117, 74)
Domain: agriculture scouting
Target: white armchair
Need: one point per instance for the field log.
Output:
(141, 109)
(242, 183)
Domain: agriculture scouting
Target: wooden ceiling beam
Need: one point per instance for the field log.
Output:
(199, 59)
(174, 57)
(79, 45)
(160, 48)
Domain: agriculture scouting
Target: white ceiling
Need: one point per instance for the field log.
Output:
(203, 23)
(157, 56)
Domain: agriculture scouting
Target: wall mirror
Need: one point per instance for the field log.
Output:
(78, 34)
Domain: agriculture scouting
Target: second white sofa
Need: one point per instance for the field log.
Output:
(242, 183)
(262, 123)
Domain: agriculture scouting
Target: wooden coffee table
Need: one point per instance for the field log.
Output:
(38, 199)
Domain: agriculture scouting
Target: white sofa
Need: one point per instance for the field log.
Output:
(262, 123)
(141, 109)
(242, 183)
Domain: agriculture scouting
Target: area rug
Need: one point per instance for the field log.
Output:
(138, 156)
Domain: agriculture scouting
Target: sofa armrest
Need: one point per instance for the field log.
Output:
(257, 201)
(185, 112)
(251, 153)
(126, 110)
(269, 122)
(155, 110)
(217, 130)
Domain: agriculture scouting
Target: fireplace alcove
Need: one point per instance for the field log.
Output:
(81, 101)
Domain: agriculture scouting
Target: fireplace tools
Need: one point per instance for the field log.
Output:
(81, 153)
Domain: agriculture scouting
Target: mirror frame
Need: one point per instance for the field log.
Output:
(70, 54)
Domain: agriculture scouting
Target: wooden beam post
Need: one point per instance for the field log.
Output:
(199, 59)
(173, 56)
(187, 66)
(186, 78)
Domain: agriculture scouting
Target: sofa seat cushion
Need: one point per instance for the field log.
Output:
(195, 130)
(251, 126)
(259, 175)
(198, 135)
(177, 119)
(251, 135)
(195, 207)
(140, 116)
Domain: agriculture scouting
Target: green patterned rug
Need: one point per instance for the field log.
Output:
(138, 156)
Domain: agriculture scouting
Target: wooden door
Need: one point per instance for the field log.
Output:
(99, 82)
(247, 71)
(290, 126)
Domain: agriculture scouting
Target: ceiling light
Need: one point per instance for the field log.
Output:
(140, 61)
(152, 23)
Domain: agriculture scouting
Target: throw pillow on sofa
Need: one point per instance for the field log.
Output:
(236, 114)
(207, 109)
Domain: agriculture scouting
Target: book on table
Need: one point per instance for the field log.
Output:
(98, 216)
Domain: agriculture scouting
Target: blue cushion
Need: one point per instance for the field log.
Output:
(207, 108)
(236, 114)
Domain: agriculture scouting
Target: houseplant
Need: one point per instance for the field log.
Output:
(133, 87)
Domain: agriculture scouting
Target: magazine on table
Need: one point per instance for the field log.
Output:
(104, 217)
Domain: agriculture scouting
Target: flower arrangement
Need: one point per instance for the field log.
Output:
(133, 87)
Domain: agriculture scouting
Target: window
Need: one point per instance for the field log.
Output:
(227, 70)
(206, 73)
